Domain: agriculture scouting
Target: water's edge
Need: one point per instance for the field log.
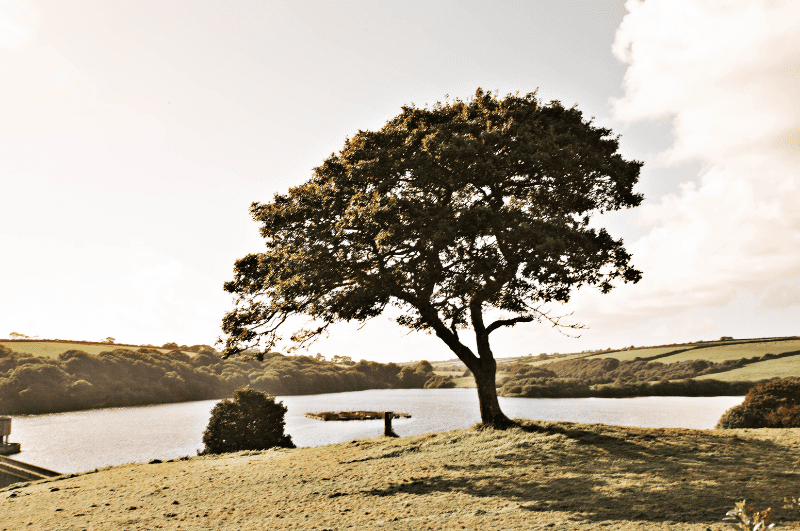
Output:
(84, 440)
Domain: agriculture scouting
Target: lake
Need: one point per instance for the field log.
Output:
(84, 440)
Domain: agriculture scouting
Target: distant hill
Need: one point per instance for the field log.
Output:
(713, 368)
(51, 348)
(757, 354)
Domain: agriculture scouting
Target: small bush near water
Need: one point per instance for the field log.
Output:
(251, 421)
(774, 404)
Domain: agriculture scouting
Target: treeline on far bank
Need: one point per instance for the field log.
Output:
(611, 378)
(76, 380)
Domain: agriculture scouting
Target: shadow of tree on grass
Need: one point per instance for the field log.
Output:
(612, 473)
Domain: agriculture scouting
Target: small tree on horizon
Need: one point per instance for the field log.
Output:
(452, 214)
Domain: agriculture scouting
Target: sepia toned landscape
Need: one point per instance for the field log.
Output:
(547, 249)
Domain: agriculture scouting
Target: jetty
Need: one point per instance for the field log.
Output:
(354, 415)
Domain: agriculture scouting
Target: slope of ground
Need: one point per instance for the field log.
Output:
(548, 475)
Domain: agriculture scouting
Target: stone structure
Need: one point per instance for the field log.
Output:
(13, 471)
(7, 447)
(5, 429)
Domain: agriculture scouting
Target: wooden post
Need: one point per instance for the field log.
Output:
(387, 424)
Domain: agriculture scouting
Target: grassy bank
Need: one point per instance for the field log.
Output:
(548, 475)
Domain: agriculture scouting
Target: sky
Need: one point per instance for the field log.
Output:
(135, 134)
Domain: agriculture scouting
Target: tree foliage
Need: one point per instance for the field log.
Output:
(444, 214)
(251, 421)
(774, 404)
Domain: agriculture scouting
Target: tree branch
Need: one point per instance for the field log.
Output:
(539, 317)
(509, 322)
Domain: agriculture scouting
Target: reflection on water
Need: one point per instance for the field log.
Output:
(85, 440)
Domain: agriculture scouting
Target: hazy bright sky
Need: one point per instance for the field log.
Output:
(134, 135)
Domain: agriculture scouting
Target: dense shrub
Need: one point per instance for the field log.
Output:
(251, 421)
(438, 381)
(774, 404)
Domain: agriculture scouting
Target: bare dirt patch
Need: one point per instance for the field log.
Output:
(544, 475)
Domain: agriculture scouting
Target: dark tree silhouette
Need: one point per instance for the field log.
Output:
(251, 421)
(446, 213)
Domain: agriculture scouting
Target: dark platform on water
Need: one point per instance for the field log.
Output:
(9, 449)
(353, 415)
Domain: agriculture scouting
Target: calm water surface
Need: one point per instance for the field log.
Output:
(85, 440)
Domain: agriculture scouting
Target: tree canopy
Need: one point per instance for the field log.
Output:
(445, 213)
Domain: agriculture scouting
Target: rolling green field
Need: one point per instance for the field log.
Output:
(715, 351)
(51, 349)
(763, 370)
(628, 355)
(543, 362)
(735, 351)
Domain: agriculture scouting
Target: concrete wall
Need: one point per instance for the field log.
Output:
(13, 471)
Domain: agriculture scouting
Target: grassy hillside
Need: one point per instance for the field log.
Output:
(728, 353)
(735, 351)
(560, 476)
(763, 370)
(631, 354)
(51, 349)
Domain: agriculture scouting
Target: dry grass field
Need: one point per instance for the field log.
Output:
(545, 476)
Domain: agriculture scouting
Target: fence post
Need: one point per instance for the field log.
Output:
(387, 424)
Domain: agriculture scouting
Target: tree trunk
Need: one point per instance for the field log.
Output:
(491, 414)
(484, 368)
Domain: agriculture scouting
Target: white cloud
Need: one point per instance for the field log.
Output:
(727, 74)
(781, 296)
(18, 20)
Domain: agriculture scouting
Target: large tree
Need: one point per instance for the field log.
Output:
(464, 215)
